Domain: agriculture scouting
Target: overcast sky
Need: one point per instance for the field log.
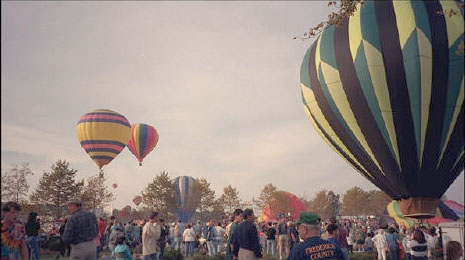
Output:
(220, 81)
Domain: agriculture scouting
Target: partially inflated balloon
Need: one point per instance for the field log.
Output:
(103, 134)
(143, 139)
(385, 90)
(184, 191)
(282, 203)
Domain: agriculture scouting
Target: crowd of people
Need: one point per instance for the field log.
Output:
(83, 236)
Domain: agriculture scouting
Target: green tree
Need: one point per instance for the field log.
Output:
(95, 194)
(354, 202)
(14, 182)
(55, 188)
(265, 195)
(204, 198)
(160, 195)
(326, 204)
(377, 202)
(230, 200)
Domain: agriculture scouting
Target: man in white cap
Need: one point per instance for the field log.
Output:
(80, 231)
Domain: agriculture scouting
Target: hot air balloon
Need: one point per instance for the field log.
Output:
(283, 203)
(137, 200)
(143, 139)
(184, 190)
(114, 185)
(103, 135)
(385, 90)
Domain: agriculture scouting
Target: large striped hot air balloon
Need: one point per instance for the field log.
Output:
(103, 135)
(385, 90)
(143, 139)
(185, 204)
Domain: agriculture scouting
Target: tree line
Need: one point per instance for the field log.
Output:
(60, 183)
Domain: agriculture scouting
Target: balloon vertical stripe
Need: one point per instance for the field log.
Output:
(184, 192)
(398, 92)
(339, 103)
(440, 62)
(369, 65)
(335, 123)
(361, 110)
(317, 116)
(143, 139)
(456, 67)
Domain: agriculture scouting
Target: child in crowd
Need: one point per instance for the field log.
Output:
(122, 251)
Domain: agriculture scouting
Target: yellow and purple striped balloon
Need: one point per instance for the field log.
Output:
(103, 134)
(143, 139)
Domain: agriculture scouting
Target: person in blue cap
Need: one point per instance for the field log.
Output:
(313, 247)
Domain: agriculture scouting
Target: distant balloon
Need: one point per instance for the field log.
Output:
(143, 139)
(137, 200)
(184, 191)
(103, 134)
(385, 89)
(114, 185)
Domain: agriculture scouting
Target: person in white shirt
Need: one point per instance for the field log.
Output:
(219, 234)
(429, 241)
(418, 246)
(379, 241)
(405, 243)
(150, 234)
(188, 237)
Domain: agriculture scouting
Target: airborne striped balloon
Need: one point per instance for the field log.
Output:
(143, 139)
(385, 90)
(103, 134)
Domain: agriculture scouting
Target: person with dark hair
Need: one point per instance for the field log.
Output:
(231, 231)
(80, 231)
(188, 237)
(418, 246)
(32, 232)
(392, 240)
(246, 243)
(116, 233)
(341, 237)
(13, 240)
(332, 230)
(150, 235)
(163, 237)
(219, 236)
(65, 249)
(293, 235)
(454, 250)
(405, 243)
(271, 239)
(313, 246)
(210, 236)
(122, 251)
(283, 237)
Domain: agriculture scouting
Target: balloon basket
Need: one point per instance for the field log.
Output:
(418, 208)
